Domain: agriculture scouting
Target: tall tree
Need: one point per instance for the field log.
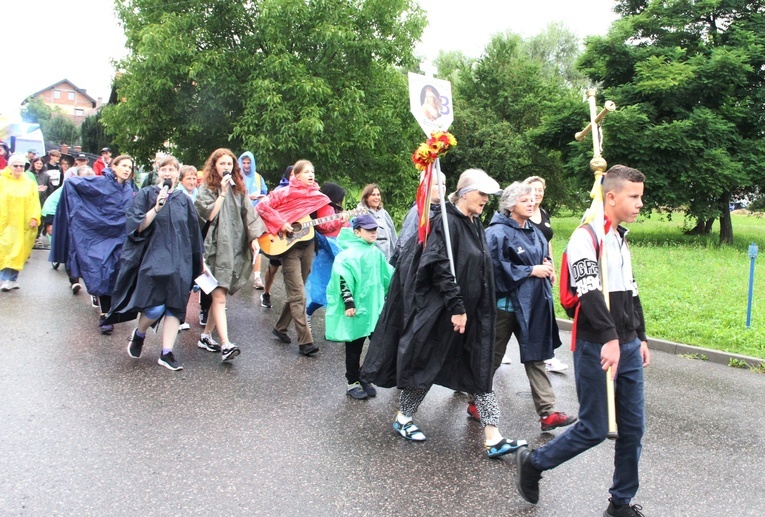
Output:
(689, 78)
(61, 129)
(502, 98)
(286, 79)
(94, 136)
(36, 111)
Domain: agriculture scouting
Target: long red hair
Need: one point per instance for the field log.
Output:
(211, 177)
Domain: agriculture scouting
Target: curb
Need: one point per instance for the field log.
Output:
(670, 347)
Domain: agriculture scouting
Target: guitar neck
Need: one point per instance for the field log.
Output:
(322, 220)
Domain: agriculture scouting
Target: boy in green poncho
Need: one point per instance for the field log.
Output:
(355, 297)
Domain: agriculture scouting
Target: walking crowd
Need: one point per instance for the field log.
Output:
(441, 313)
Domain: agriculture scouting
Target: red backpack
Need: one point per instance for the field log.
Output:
(568, 298)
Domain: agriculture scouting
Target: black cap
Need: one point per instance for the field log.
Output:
(105, 150)
(81, 157)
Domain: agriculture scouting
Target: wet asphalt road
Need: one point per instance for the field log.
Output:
(86, 430)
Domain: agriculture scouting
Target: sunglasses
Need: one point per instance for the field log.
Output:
(17, 166)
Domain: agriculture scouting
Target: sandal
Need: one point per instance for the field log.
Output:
(504, 446)
(409, 431)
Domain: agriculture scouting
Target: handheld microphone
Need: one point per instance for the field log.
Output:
(227, 177)
(165, 187)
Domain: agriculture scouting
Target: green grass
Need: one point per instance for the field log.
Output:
(693, 290)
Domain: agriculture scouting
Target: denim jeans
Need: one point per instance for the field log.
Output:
(9, 274)
(592, 427)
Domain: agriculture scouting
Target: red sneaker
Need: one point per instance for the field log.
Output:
(472, 412)
(557, 419)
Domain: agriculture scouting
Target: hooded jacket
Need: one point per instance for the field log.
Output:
(514, 253)
(19, 204)
(292, 203)
(367, 275)
(253, 181)
(228, 236)
(414, 344)
(90, 229)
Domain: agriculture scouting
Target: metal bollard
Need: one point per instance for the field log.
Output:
(753, 250)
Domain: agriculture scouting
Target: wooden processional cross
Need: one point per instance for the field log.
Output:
(594, 216)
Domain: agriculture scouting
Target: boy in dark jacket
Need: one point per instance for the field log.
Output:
(608, 336)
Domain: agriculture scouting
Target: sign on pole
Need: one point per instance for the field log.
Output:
(430, 101)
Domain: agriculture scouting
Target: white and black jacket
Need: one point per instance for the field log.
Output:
(596, 323)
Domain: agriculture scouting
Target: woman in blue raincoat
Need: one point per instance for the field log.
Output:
(90, 229)
(523, 276)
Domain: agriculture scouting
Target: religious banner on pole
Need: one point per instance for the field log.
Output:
(430, 101)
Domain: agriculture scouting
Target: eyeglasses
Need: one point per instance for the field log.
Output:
(18, 166)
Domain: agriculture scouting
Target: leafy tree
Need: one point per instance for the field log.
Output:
(94, 137)
(61, 129)
(36, 111)
(688, 78)
(502, 98)
(286, 79)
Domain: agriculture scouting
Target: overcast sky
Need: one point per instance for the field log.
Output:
(49, 40)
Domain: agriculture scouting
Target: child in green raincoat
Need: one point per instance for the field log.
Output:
(355, 297)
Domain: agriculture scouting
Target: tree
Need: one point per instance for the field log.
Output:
(93, 135)
(688, 78)
(286, 79)
(500, 101)
(36, 111)
(60, 129)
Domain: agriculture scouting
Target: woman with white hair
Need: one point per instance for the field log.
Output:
(19, 219)
(438, 328)
(522, 274)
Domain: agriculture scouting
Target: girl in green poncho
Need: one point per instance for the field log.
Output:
(355, 297)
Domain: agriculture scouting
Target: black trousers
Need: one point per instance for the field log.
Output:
(353, 359)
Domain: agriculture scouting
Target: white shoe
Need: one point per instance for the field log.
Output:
(13, 284)
(184, 326)
(554, 365)
(506, 359)
(6, 286)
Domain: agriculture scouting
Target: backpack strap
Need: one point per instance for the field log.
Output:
(574, 323)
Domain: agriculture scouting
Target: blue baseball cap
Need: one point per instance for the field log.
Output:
(365, 221)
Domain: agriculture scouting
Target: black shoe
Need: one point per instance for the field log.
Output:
(229, 353)
(283, 337)
(203, 318)
(135, 345)
(369, 388)
(527, 480)
(308, 349)
(76, 287)
(168, 361)
(265, 300)
(624, 510)
(103, 327)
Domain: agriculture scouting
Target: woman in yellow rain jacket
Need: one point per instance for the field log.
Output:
(19, 219)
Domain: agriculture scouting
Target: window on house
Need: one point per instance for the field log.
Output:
(70, 96)
(56, 94)
(79, 113)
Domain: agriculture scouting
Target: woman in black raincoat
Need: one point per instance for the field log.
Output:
(436, 329)
(161, 258)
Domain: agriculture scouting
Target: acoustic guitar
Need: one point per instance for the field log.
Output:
(276, 245)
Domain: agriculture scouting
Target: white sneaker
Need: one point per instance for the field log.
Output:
(13, 284)
(6, 286)
(184, 326)
(506, 359)
(554, 365)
